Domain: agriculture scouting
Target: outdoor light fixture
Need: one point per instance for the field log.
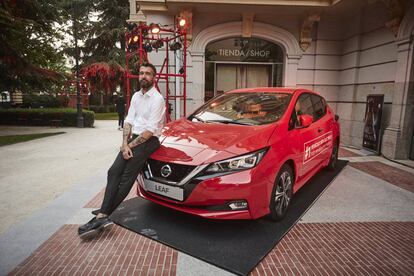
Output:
(147, 47)
(155, 29)
(132, 47)
(131, 26)
(175, 45)
(156, 44)
(181, 71)
(182, 22)
(136, 38)
(144, 32)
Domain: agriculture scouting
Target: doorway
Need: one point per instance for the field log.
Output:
(235, 76)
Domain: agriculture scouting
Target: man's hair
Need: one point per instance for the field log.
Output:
(147, 64)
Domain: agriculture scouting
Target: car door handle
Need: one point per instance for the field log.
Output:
(320, 129)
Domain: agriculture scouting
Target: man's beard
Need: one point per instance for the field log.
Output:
(145, 83)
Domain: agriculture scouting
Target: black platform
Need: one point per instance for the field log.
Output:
(237, 246)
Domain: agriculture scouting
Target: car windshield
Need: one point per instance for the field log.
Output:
(243, 108)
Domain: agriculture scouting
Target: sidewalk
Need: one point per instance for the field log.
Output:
(34, 173)
(362, 224)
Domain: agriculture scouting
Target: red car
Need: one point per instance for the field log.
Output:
(243, 154)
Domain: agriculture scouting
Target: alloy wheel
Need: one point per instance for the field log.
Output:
(283, 192)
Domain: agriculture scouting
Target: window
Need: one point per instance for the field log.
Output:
(319, 107)
(303, 106)
(244, 108)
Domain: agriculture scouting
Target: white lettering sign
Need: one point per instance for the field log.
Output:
(316, 146)
(243, 53)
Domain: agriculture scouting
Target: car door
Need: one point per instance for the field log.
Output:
(322, 143)
(305, 135)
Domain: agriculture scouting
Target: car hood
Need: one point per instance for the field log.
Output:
(195, 143)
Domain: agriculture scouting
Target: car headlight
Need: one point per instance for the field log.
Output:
(239, 163)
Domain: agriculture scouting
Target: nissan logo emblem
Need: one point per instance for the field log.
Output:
(166, 170)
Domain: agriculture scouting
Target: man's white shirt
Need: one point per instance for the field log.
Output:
(147, 112)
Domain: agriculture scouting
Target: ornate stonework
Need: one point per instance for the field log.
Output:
(396, 10)
(306, 30)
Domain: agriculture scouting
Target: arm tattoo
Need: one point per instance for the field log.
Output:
(126, 133)
(137, 141)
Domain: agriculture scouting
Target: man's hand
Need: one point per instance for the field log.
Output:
(126, 152)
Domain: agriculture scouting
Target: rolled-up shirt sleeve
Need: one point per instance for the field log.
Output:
(131, 111)
(156, 120)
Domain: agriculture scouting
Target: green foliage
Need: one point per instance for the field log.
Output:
(106, 41)
(103, 51)
(28, 58)
(44, 116)
(76, 15)
(13, 139)
(106, 116)
(102, 108)
(45, 101)
(36, 35)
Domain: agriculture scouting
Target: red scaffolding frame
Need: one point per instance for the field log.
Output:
(138, 42)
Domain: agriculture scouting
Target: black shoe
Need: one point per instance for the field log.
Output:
(93, 227)
(95, 212)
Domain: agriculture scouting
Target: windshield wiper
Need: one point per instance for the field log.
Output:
(230, 122)
(198, 118)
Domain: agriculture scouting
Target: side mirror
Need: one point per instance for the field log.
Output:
(336, 117)
(305, 120)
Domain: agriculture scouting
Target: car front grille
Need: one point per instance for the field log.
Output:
(178, 171)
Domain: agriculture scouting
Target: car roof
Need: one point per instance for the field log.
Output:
(289, 90)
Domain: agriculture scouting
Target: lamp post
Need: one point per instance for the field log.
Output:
(79, 115)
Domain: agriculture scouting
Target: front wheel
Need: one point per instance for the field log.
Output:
(282, 193)
(334, 157)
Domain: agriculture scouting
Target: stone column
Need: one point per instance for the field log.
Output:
(397, 136)
(290, 78)
(196, 90)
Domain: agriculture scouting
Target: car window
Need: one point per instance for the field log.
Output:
(303, 106)
(306, 105)
(255, 108)
(319, 107)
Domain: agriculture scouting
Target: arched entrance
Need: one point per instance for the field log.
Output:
(270, 33)
(237, 62)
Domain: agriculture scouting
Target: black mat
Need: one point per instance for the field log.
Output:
(237, 246)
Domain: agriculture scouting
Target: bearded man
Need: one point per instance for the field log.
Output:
(142, 128)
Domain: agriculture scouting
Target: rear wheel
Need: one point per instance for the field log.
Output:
(334, 157)
(282, 193)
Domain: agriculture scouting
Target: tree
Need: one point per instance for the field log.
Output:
(103, 77)
(105, 45)
(76, 16)
(28, 57)
(106, 41)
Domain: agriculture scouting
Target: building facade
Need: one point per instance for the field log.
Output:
(343, 49)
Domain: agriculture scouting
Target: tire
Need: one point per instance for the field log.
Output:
(282, 193)
(333, 159)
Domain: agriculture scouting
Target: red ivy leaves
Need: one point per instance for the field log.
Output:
(103, 75)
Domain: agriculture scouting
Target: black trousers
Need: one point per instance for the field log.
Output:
(121, 118)
(123, 173)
